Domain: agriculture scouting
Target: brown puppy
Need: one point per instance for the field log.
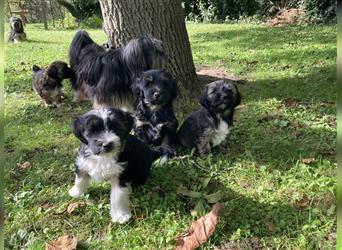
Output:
(47, 83)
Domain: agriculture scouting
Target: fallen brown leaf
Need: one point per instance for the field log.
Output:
(24, 165)
(65, 242)
(270, 226)
(304, 201)
(72, 206)
(290, 102)
(308, 160)
(200, 230)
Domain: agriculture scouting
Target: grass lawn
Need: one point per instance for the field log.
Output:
(272, 199)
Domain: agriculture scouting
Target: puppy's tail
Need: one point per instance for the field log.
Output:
(163, 152)
(80, 40)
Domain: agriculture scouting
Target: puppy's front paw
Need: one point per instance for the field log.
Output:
(120, 216)
(75, 192)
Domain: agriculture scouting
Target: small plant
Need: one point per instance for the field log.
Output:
(92, 22)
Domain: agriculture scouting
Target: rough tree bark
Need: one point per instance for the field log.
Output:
(164, 19)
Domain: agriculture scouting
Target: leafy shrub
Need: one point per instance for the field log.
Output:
(226, 10)
(69, 21)
(92, 22)
(320, 10)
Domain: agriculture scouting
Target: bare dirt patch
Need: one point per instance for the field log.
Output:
(286, 17)
(207, 74)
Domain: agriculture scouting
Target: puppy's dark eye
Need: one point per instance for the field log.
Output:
(94, 124)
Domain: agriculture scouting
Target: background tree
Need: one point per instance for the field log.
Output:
(43, 8)
(164, 19)
(81, 9)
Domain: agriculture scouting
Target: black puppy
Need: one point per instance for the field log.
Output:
(209, 126)
(155, 121)
(109, 153)
(17, 33)
(47, 83)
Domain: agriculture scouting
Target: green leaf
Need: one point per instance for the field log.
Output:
(198, 210)
(331, 210)
(206, 182)
(186, 192)
(214, 197)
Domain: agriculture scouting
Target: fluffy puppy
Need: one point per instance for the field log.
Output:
(155, 121)
(47, 83)
(106, 75)
(17, 33)
(209, 126)
(109, 153)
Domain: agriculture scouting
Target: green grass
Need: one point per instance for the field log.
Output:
(271, 198)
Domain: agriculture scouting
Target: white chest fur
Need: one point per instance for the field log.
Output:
(99, 168)
(220, 133)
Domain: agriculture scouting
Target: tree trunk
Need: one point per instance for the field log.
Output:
(52, 14)
(164, 19)
(43, 6)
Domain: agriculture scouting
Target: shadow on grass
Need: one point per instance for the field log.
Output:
(242, 213)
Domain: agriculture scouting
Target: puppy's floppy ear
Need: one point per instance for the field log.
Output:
(66, 72)
(136, 86)
(35, 68)
(78, 129)
(52, 71)
(237, 98)
(128, 120)
(204, 98)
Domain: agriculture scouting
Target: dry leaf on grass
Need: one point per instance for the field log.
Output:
(65, 242)
(270, 226)
(200, 230)
(304, 201)
(72, 206)
(308, 160)
(24, 165)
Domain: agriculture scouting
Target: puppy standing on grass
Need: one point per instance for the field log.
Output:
(47, 83)
(109, 153)
(209, 126)
(155, 121)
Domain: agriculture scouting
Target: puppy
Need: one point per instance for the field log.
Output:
(209, 126)
(17, 33)
(47, 83)
(155, 121)
(109, 153)
(105, 75)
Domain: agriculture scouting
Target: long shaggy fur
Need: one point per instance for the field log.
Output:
(106, 76)
(17, 33)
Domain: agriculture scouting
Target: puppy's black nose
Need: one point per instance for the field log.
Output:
(156, 95)
(108, 146)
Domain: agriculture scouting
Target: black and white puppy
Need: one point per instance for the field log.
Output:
(155, 121)
(17, 33)
(209, 126)
(105, 76)
(109, 153)
(47, 83)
